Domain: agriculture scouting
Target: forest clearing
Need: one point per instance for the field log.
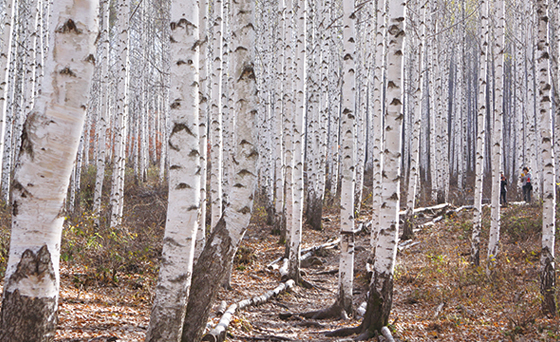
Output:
(285, 170)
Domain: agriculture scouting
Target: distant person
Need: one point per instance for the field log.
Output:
(503, 189)
(527, 186)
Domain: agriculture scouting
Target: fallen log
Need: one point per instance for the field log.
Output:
(305, 253)
(218, 334)
(432, 208)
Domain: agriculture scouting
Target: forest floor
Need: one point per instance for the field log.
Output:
(438, 294)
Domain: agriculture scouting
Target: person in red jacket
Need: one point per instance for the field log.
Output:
(527, 186)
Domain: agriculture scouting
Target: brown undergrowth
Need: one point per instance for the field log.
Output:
(108, 277)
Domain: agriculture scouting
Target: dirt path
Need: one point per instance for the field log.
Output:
(438, 295)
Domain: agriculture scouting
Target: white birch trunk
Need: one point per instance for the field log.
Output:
(5, 58)
(348, 130)
(278, 118)
(204, 87)
(216, 151)
(381, 286)
(215, 260)
(289, 107)
(548, 275)
(102, 110)
(298, 151)
(184, 177)
(378, 112)
(121, 104)
(481, 134)
(50, 142)
(418, 97)
(498, 46)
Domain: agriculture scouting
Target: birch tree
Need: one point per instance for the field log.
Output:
(343, 304)
(216, 257)
(50, 141)
(103, 106)
(215, 105)
(298, 136)
(380, 299)
(119, 158)
(480, 139)
(417, 123)
(183, 206)
(348, 129)
(5, 57)
(498, 46)
(548, 277)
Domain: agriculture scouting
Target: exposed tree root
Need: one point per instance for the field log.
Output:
(334, 311)
(261, 338)
(344, 332)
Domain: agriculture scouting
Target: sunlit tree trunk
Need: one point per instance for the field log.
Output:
(348, 130)
(380, 298)
(548, 275)
(50, 142)
(121, 104)
(216, 258)
(298, 136)
(480, 139)
(203, 125)
(419, 89)
(183, 207)
(498, 46)
(289, 107)
(102, 110)
(279, 107)
(378, 110)
(216, 151)
(5, 57)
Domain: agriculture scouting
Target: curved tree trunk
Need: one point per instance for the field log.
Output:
(216, 258)
(49, 145)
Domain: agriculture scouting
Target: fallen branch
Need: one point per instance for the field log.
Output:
(407, 246)
(305, 253)
(218, 334)
(433, 208)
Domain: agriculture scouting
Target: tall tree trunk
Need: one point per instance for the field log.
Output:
(408, 227)
(298, 136)
(5, 58)
(380, 298)
(102, 110)
(548, 277)
(216, 131)
(378, 112)
(498, 46)
(216, 258)
(119, 159)
(480, 139)
(183, 207)
(348, 171)
(50, 142)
